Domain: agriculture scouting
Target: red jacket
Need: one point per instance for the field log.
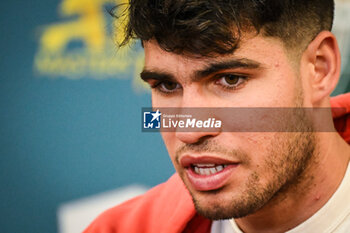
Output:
(168, 207)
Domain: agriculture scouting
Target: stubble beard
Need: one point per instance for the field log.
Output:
(290, 153)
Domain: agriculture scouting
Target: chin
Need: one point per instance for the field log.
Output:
(218, 204)
(226, 203)
(221, 209)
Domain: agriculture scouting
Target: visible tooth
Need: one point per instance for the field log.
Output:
(196, 170)
(208, 170)
(204, 165)
(219, 168)
(213, 170)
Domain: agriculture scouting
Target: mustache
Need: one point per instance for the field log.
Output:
(211, 146)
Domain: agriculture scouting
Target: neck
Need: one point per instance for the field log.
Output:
(299, 202)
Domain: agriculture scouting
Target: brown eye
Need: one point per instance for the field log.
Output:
(169, 86)
(231, 79)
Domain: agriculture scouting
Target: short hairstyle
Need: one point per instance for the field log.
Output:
(207, 27)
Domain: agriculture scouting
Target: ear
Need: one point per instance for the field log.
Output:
(320, 66)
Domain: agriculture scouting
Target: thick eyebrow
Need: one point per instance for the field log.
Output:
(156, 75)
(209, 69)
(216, 67)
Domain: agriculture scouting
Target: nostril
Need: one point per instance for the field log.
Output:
(203, 140)
(195, 138)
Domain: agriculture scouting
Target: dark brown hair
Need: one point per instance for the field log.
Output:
(206, 27)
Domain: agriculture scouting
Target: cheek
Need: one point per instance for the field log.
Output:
(256, 146)
(155, 99)
(162, 101)
(279, 92)
(170, 143)
(267, 153)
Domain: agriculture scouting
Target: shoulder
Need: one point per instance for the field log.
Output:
(341, 114)
(166, 206)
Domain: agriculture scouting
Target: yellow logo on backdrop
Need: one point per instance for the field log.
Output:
(97, 57)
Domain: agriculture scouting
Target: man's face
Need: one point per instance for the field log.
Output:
(231, 174)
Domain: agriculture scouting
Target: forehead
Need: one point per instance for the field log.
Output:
(267, 51)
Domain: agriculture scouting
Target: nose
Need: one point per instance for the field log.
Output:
(195, 137)
(194, 101)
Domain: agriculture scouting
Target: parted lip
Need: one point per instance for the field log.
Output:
(188, 160)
